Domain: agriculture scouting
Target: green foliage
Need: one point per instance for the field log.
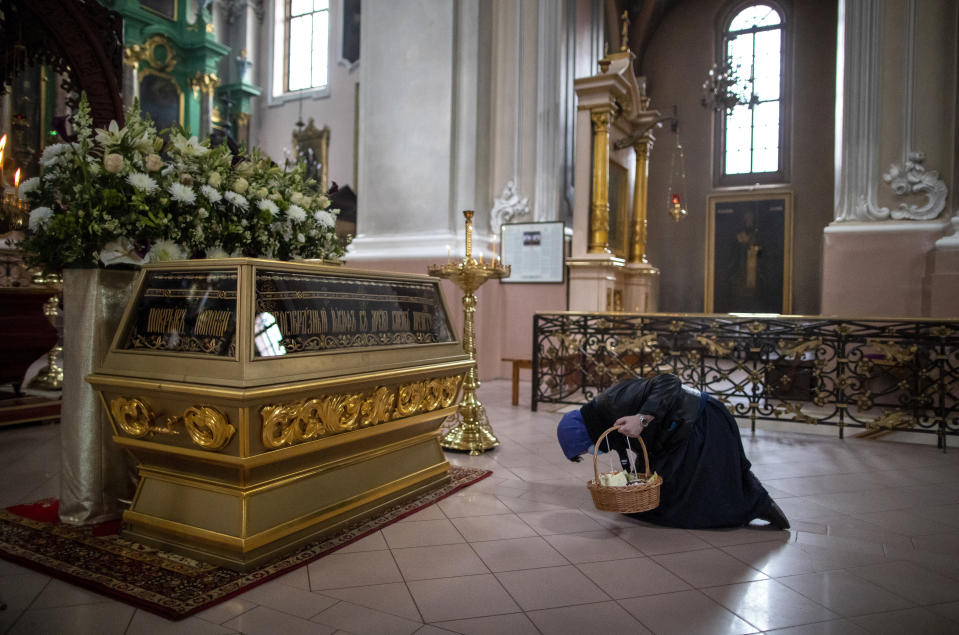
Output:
(125, 196)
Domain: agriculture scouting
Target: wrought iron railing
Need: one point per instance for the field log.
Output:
(880, 374)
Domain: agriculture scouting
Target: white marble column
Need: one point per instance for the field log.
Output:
(419, 123)
(895, 96)
(551, 33)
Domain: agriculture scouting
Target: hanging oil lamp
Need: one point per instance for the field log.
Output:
(676, 209)
(677, 182)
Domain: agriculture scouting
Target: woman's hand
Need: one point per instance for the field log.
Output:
(632, 425)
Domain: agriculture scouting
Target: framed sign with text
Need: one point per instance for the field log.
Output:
(534, 251)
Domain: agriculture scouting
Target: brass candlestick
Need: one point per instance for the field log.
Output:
(469, 429)
(51, 377)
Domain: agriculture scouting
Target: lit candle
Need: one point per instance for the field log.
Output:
(3, 145)
(481, 257)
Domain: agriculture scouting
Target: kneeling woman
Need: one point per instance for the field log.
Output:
(693, 443)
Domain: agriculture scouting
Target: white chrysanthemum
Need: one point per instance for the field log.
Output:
(39, 217)
(300, 238)
(236, 199)
(324, 218)
(182, 193)
(217, 252)
(28, 186)
(142, 182)
(52, 154)
(211, 194)
(268, 206)
(164, 250)
(296, 213)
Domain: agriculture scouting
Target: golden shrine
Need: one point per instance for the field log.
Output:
(269, 403)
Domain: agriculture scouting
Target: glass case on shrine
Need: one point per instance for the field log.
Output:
(249, 322)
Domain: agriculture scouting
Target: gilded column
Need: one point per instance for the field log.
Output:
(599, 210)
(637, 248)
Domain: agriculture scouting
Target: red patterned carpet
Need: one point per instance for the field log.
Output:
(170, 585)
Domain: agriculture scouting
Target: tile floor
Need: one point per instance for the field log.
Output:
(874, 548)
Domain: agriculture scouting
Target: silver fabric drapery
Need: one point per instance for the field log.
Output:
(95, 473)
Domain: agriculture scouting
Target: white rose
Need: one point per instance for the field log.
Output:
(240, 185)
(113, 163)
(214, 180)
(153, 162)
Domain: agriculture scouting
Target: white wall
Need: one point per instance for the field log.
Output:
(273, 128)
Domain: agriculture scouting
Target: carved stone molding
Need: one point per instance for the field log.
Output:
(507, 208)
(910, 179)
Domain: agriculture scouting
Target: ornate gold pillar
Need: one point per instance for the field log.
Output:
(637, 248)
(599, 210)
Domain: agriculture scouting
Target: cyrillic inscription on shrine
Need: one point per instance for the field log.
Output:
(187, 313)
(298, 313)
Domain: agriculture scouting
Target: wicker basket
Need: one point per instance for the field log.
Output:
(626, 499)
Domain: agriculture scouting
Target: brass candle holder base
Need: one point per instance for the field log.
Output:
(51, 376)
(469, 429)
(468, 433)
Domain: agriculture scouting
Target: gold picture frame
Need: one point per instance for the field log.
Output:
(312, 145)
(618, 240)
(749, 245)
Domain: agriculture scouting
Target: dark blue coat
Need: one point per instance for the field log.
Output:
(693, 444)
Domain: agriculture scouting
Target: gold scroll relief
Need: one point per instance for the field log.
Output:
(207, 427)
(306, 420)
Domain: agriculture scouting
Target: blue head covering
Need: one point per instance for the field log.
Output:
(572, 434)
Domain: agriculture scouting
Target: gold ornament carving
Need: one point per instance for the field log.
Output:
(160, 53)
(900, 354)
(133, 54)
(132, 416)
(207, 427)
(796, 410)
(756, 327)
(799, 348)
(893, 420)
(601, 120)
(714, 346)
(205, 82)
(310, 419)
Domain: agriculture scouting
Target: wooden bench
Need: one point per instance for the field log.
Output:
(517, 365)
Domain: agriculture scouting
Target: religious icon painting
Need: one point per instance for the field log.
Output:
(749, 253)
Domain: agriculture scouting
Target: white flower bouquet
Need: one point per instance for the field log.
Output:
(128, 195)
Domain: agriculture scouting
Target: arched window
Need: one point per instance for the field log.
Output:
(301, 46)
(752, 136)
